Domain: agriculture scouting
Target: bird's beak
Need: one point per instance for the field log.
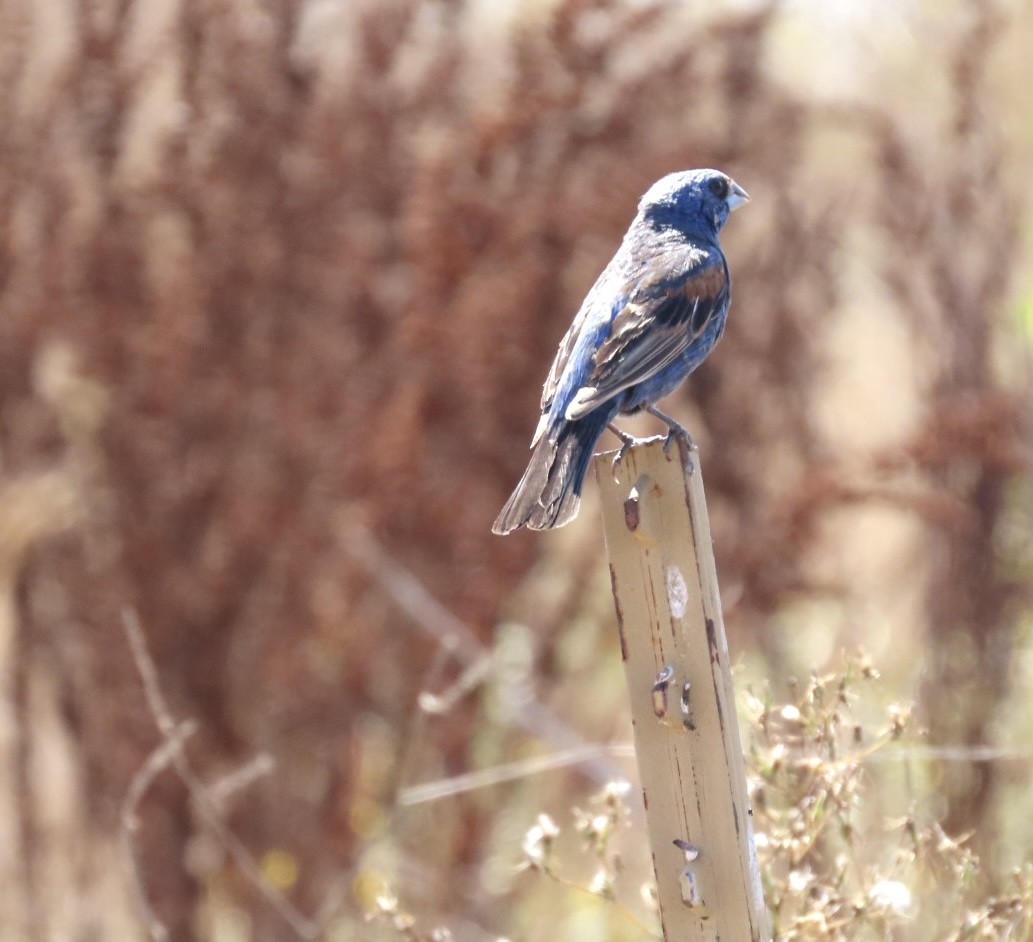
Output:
(737, 196)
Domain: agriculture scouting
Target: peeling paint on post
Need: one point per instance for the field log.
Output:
(677, 592)
(673, 643)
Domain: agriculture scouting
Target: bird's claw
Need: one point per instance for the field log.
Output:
(619, 457)
(627, 443)
(675, 431)
(679, 433)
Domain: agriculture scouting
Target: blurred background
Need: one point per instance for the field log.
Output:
(279, 283)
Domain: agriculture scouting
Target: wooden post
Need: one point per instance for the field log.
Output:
(682, 703)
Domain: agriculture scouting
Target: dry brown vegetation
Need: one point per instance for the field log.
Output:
(278, 285)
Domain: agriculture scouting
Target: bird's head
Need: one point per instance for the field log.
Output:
(694, 201)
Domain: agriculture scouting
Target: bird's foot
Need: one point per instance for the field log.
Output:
(676, 431)
(627, 442)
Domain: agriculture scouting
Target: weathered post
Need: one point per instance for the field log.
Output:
(683, 707)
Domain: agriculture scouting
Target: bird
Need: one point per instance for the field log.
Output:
(650, 319)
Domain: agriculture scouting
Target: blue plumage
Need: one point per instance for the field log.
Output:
(651, 318)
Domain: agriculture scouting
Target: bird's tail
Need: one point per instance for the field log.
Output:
(549, 493)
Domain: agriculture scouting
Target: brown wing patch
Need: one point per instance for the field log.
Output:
(695, 295)
(706, 285)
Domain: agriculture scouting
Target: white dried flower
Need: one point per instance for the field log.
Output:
(538, 841)
(892, 896)
(602, 884)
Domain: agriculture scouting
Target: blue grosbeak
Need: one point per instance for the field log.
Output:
(650, 319)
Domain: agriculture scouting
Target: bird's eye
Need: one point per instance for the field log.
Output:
(719, 187)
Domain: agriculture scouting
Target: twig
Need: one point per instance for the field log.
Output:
(471, 678)
(259, 767)
(412, 597)
(157, 762)
(427, 613)
(171, 753)
(508, 772)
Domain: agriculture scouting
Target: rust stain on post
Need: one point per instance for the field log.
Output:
(712, 647)
(620, 612)
(631, 513)
(669, 620)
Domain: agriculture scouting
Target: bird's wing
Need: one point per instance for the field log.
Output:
(659, 322)
(588, 327)
(560, 361)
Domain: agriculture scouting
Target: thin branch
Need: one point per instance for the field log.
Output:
(510, 771)
(156, 763)
(260, 766)
(412, 596)
(171, 753)
(427, 613)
